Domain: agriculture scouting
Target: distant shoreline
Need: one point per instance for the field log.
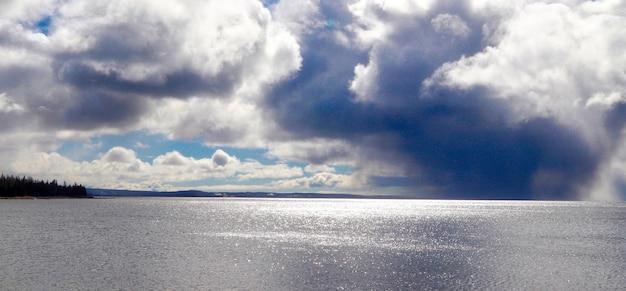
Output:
(14, 187)
(111, 193)
(41, 197)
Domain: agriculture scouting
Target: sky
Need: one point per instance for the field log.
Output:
(428, 99)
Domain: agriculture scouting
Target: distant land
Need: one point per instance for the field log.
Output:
(27, 187)
(103, 193)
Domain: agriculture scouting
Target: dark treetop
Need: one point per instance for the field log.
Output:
(13, 186)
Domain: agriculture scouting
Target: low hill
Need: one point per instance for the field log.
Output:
(194, 193)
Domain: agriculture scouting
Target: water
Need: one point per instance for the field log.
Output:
(317, 244)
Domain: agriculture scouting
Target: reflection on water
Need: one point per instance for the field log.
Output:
(287, 244)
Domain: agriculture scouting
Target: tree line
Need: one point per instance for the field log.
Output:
(13, 186)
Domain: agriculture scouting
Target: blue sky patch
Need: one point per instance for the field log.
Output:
(43, 25)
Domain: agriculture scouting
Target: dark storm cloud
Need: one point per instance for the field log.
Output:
(96, 109)
(10, 121)
(416, 50)
(616, 119)
(463, 142)
(621, 188)
(179, 84)
(317, 101)
(16, 76)
(121, 46)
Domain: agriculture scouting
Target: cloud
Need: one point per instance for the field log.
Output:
(318, 169)
(172, 159)
(317, 151)
(173, 49)
(236, 122)
(298, 16)
(121, 166)
(220, 158)
(453, 99)
(556, 61)
(141, 145)
(186, 69)
(540, 62)
(496, 110)
(119, 155)
(255, 170)
(102, 63)
(7, 105)
(450, 24)
(319, 180)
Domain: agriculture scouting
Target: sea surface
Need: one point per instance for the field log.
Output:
(310, 244)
